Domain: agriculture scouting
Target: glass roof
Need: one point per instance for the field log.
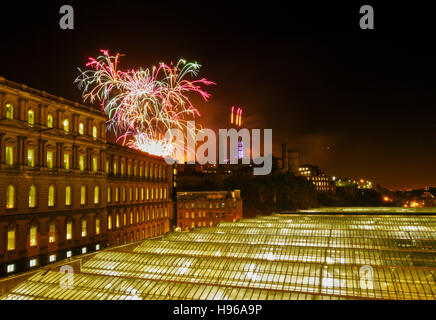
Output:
(297, 256)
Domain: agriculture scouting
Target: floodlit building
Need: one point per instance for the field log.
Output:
(296, 256)
(320, 180)
(201, 209)
(65, 189)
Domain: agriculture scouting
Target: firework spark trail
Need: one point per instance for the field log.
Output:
(142, 105)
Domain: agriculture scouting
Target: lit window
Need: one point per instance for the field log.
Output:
(124, 193)
(66, 161)
(84, 228)
(141, 170)
(81, 128)
(52, 258)
(68, 196)
(135, 170)
(83, 250)
(30, 157)
(96, 194)
(9, 155)
(33, 239)
(30, 117)
(94, 164)
(69, 254)
(49, 121)
(82, 195)
(117, 194)
(130, 194)
(109, 195)
(97, 225)
(117, 220)
(51, 196)
(49, 159)
(81, 163)
(52, 233)
(131, 218)
(32, 263)
(107, 167)
(97, 247)
(9, 111)
(32, 197)
(109, 222)
(10, 197)
(115, 168)
(11, 268)
(142, 194)
(11, 239)
(129, 169)
(136, 194)
(94, 132)
(66, 125)
(122, 168)
(148, 194)
(124, 219)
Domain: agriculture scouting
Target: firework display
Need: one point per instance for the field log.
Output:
(143, 105)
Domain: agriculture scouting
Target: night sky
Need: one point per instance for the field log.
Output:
(358, 103)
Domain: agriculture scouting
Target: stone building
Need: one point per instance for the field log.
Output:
(65, 189)
(206, 209)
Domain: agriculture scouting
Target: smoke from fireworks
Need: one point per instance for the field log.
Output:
(142, 105)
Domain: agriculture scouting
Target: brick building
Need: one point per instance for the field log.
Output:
(66, 190)
(201, 209)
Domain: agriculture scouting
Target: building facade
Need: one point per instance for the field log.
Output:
(319, 179)
(66, 190)
(201, 209)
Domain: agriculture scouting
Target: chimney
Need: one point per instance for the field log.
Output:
(293, 161)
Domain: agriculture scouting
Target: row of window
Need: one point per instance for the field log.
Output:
(156, 171)
(156, 194)
(154, 213)
(65, 122)
(210, 205)
(202, 215)
(33, 230)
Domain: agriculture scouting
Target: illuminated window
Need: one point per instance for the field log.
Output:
(142, 194)
(9, 155)
(94, 164)
(52, 232)
(136, 194)
(31, 157)
(117, 220)
(146, 170)
(32, 197)
(84, 227)
(96, 194)
(69, 230)
(82, 195)
(81, 162)
(49, 159)
(124, 193)
(52, 258)
(11, 239)
(10, 197)
(94, 132)
(152, 193)
(66, 161)
(115, 168)
(129, 168)
(51, 195)
(97, 225)
(69, 254)
(109, 222)
(124, 219)
(66, 125)
(130, 194)
(33, 239)
(32, 263)
(131, 217)
(81, 128)
(9, 111)
(30, 117)
(135, 170)
(107, 167)
(68, 196)
(165, 193)
(148, 194)
(122, 168)
(141, 169)
(109, 199)
(49, 121)
(117, 194)
(11, 268)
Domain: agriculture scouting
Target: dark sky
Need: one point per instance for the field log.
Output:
(358, 103)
